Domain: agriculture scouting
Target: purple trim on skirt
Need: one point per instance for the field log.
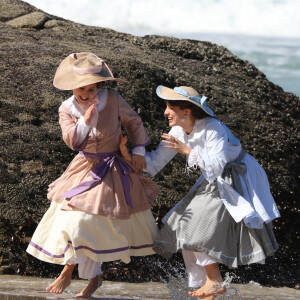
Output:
(48, 253)
(90, 249)
(113, 250)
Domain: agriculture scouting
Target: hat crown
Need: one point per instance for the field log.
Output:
(88, 61)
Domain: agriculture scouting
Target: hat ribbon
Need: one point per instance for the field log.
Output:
(201, 101)
(184, 93)
(93, 70)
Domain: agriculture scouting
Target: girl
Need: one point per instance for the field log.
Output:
(100, 206)
(227, 216)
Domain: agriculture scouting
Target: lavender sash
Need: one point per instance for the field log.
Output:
(100, 170)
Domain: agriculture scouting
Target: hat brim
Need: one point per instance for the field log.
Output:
(66, 79)
(170, 95)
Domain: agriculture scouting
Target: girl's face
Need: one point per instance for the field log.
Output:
(175, 115)
(86, 94)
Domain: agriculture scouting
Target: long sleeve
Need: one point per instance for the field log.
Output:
(210, 152)
(157, 159)
(133, 124)
(74, 133)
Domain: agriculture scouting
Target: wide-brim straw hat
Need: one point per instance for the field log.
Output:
(184, 93)
(81, 69)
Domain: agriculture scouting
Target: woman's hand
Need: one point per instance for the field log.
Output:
(175, 144)
(123, 148)
(88, 114)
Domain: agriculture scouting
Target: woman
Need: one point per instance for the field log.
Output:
(100, 206)
(226, 217)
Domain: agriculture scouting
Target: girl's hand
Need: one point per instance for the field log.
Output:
(175, 144)
(88, 114)
(123, 148)
(138, 163)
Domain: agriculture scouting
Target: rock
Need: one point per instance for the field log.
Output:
(33, 20)
(10, 9)
(54, 24)
(32, 152)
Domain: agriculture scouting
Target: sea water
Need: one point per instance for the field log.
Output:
(264, 32)
(14, 287)
(278, 58)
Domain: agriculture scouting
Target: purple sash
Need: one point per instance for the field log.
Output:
(100, 170)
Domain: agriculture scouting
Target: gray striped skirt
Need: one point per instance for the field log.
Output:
(201, 223)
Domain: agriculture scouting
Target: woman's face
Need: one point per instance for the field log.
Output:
(175, 114)
(86, 94)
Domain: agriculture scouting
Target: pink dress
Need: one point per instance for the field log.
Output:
(99, 207)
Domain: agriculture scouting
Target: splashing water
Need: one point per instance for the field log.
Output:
(179, 290)
(177, 284)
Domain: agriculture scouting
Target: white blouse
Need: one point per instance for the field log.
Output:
(213, 145)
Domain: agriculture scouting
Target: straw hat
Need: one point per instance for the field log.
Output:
(81, 69)
(184, 93)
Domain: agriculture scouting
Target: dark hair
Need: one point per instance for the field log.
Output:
(196, 111)
(100, 84)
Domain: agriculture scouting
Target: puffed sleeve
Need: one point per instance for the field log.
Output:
(157, 159)
(133, 124)
(211, 152)
(75, 133)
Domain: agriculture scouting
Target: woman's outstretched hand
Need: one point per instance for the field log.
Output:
(175, 144)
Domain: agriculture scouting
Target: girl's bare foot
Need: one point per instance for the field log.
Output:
(92, 286)
(62, 281)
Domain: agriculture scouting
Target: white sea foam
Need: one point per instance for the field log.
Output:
(278, 18)
(264, 32)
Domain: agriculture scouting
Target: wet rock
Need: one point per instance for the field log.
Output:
(32, 152)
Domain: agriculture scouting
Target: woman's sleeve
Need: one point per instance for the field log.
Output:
(133, 124)
(211, 152)
(157, 159)
(75, 134)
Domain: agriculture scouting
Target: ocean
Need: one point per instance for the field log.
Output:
(264, 32)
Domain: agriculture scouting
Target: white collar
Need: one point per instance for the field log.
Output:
(75, 109)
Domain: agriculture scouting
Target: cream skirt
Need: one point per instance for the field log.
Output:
(62, 235)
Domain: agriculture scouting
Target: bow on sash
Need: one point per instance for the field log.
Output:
(231, 175)
(100, 170)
